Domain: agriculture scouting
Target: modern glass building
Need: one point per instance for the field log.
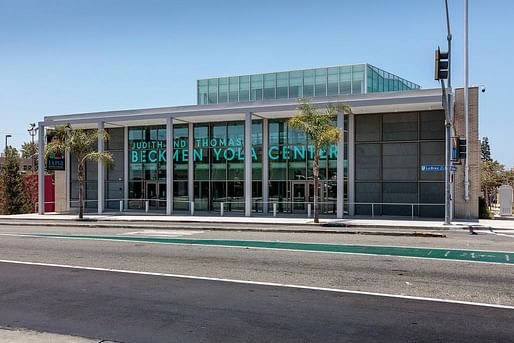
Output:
(319, 82)
(235, 151)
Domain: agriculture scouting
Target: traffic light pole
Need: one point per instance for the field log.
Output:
(447, 104)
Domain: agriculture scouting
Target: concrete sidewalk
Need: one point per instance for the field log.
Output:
(136, 219)
(27, 336)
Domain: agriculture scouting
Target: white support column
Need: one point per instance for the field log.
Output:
(125, 168)
(190, 164)
(265, 166)
(41, 169)
(169, 166)
(101, 170)
(67, 168)
(248, 164)
(351, 164)
(340, 168)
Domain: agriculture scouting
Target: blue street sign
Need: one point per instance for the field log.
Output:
(430, 168)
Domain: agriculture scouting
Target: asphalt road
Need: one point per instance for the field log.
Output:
(146, 308)
(142, 308)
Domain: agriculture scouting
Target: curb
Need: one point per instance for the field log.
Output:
(144, 225)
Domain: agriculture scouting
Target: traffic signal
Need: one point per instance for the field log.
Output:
(441, 65)
(461, 148)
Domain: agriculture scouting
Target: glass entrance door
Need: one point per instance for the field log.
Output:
(162, 195)
(299, 196)
(156, 194)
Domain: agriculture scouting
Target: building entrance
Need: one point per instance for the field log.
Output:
(302, 193)
(156, 194)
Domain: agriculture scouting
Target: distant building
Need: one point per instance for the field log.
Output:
(25, 164)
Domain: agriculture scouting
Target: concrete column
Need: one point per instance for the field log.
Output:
(190, 164)
(169, 166)
(125, 167)
(41, 169)
(248, 164)
(265, 166)
(101, 170)
(67, 167)
(340, 168)
(351, 164)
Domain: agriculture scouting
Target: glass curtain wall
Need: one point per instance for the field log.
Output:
(219, 165)
(283, 85)
(147, 166)
(291, 158)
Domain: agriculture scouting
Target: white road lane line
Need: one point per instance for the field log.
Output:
(257, 283)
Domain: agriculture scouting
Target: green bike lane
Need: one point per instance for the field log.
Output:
(411, 252)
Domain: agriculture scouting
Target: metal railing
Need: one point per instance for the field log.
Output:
(271, 207)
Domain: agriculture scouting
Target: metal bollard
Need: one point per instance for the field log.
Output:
(274, 209)
(192, 208)
(372, 210)
(222, 209)
(147, 206)
(412, 211)
(121, 205)
(309, 210)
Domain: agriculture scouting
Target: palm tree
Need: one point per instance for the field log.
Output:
(319, 126)
(81, 144)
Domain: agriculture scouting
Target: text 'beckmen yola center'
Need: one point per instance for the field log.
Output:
(235, 149)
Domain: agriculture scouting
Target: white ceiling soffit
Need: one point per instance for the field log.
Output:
(418, 100)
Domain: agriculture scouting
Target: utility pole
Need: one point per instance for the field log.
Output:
(442, 73)
(32, 132)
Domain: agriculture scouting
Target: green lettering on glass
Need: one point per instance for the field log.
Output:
(275, 152)
(152, 156)
(270, 152)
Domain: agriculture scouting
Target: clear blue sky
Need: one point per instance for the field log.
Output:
(70, 56)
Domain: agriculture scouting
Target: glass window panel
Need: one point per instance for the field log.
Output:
(235, 134)
(277, 132)
(257, 132)
(201, 132)
(233, 89)
(223, 90)
(282, 85)
(203, 92)
(308, 83)
(321, 82)
(345, 79)
(244, 88)
(270, 84)
(219, 133)
(333, 81)
(218, 194)
(295, 84)
(256, 88)
(180, 196)
(213, 91)
(358, 79)
(201, 196)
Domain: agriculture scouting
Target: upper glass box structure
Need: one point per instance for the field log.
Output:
(349, 79)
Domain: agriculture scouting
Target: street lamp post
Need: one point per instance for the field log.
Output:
(6, 138)
(32, 132)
